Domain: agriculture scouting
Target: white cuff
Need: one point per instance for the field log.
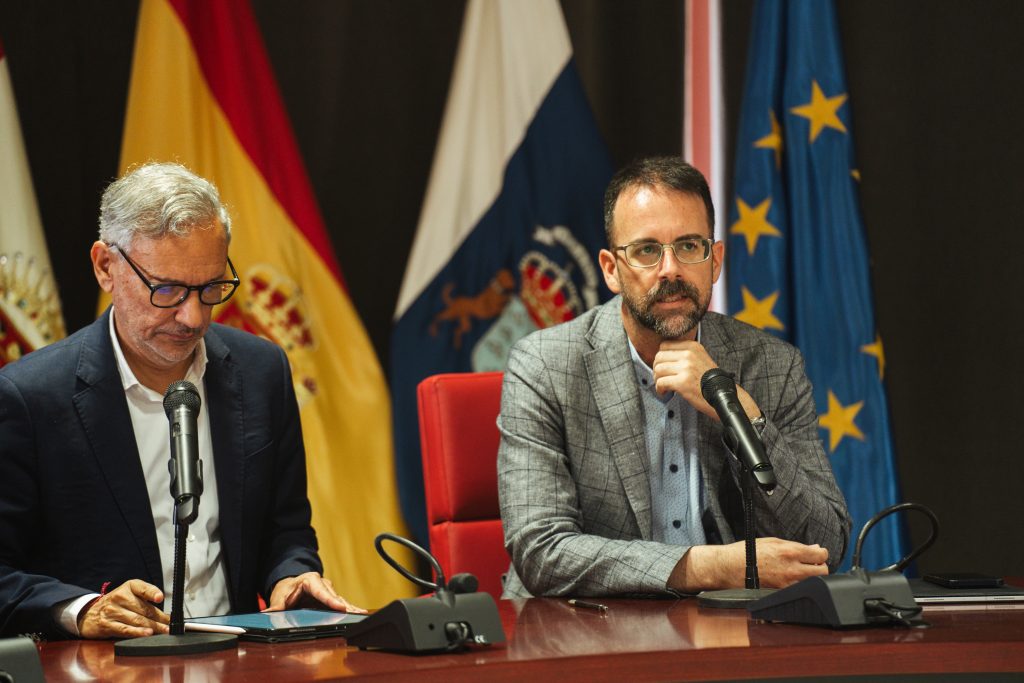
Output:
(66, 613)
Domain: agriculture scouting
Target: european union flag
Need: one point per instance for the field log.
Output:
(798, 262)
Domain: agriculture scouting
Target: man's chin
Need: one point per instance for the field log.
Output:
(172, 351)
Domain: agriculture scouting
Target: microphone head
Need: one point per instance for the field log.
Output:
(463, 583)
(714, 381)
(181, 393)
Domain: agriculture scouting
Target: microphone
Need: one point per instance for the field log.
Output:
(719, 389)
(181, 404)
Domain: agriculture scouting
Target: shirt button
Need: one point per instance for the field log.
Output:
(644, 382)
(676, 523)
(192, 596)
(191, 538)
(671, 413)
(673, 468)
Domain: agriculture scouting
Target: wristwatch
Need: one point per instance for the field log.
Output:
(759, 422)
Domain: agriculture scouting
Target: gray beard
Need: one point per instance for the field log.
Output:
(675, 325)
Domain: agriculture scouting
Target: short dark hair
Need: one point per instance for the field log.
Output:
(669, 172)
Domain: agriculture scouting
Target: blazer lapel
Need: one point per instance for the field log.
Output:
(103, 411)
(613, 383)
(225, 404)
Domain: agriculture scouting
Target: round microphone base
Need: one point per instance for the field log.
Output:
(168, 644)
(732, 598)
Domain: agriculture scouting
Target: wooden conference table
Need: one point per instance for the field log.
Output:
(635, 640)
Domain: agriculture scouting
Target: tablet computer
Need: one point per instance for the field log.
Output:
(278, 627)
(928, 593)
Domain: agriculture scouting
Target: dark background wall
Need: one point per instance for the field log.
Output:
(936, 108)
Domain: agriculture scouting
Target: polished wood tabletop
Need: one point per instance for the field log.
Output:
(635, 640)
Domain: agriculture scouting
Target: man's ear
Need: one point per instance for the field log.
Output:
(102, 261)
(717, 259)
(609, 268)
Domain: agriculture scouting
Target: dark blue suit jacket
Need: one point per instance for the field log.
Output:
(74, 508)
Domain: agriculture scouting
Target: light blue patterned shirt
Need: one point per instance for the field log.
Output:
(671, 434)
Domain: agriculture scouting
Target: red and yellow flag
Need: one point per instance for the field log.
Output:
(203, 94)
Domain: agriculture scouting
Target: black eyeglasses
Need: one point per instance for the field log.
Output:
(647, 254)
(170, 294)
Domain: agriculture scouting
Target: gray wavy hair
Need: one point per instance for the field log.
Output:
(159, 199)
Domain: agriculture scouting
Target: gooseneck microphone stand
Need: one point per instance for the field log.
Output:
(743, 441)
(181, 403)
(739, 598)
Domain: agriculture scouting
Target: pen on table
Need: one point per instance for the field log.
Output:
(588, 605)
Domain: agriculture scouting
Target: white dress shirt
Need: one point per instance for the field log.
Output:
(206, 587)
(677, 503)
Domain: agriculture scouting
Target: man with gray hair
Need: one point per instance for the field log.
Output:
(86, 517)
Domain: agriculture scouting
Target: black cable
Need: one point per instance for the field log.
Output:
(899, 566)
(901, 614)
(457, 633)
(429, 585)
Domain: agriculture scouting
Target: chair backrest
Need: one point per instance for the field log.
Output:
(459, 439)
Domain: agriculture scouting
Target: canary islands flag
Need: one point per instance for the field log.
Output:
(203, 93)
(511, 224)
(798, 260)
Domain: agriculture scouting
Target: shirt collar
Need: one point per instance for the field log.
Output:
(195, 372)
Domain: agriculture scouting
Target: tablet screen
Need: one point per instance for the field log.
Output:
(288, 619)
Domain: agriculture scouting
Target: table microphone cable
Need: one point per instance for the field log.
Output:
(906, 615)
(457, 633)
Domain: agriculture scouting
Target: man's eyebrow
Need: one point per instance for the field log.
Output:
(157, 279)
(687, 236)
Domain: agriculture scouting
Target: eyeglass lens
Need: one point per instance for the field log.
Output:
(646, 254)
(211, 295)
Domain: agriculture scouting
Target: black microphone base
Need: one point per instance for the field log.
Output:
(732, 598)
(168, 644)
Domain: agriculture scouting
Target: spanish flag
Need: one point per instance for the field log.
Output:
(203, 94)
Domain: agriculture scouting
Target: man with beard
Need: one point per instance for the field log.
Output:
(86, 514)
(612, 474)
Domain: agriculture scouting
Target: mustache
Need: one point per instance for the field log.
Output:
(670, 288)
(182, 330)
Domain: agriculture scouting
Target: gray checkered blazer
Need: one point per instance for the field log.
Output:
(573, 469)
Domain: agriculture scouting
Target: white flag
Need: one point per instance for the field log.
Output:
(30, 314)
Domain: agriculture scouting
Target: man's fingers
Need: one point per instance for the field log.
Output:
(782, 563)
(127, 612)
(308, 589)
(146, 591)
(813, 554)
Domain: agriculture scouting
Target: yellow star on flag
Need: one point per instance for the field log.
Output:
(821, 111)
(878, 352)
(758, 312)
(753, 222)
(839, 421)
(773, 140)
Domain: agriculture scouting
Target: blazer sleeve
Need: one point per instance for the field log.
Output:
(552, 552)
(289, 546)
(807, 505)
(26, 597)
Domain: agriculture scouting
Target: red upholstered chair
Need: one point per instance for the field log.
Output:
(459, 439)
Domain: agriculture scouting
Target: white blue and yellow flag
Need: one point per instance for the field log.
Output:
(511, 224)
(798, 258)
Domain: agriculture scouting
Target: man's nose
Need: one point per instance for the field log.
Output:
(190, 312)
(669, 267)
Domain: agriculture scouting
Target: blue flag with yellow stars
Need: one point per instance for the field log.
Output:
(798, 261)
